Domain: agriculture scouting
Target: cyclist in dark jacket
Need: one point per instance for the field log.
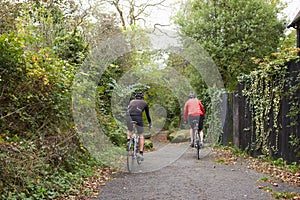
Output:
(134, 113)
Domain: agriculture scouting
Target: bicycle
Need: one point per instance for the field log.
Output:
(197, 143)
(132, 149)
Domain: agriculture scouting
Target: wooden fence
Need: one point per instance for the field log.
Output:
(239, 129)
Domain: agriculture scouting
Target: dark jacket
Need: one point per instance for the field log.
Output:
(136, 108)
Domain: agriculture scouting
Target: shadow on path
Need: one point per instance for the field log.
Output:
(165, 155)
(161, 158)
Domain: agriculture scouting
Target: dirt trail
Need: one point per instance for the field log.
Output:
(184, 177)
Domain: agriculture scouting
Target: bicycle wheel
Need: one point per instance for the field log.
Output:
(197, 144)
(130, 157)
(198, 149)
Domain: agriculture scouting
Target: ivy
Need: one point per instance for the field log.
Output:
(264, 90)
(214, 121)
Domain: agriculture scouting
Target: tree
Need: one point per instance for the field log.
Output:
(233, 31)
(102, 27)
(8, 14)
(41, 47)
(130, 11)
(47, 20)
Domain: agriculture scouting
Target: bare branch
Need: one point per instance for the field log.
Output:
(157, 24)
(161, 31)
(117, 6)
(134, 10)
(16, 111)
(146, 5)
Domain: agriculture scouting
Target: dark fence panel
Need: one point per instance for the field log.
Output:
(227, 118)
(290, 125)
(239, 128)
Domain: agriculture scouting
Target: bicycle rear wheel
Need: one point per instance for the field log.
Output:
(130, 157)
(198, 149)
(197, 144)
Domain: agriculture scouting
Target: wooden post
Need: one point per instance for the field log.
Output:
(236, 129)
(227, 118)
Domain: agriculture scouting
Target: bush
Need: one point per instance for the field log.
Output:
(44, 169)
(36, 95)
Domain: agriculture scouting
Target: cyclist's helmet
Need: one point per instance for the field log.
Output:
(191, 95)
(139, 95)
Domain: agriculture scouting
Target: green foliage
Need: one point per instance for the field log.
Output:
(148, 144)
(42, 170)
(233, 149)
(264, 179)
(213, 116)
(264, 91)
(104, 102)
(279, 195)
(236, 151)
(164, 97)
(279, 162)
(36, 88)
(9, 12)
(37, 93)
(293, 167)
(220, 161)
(284, 195)
(289, 40)
(40, 155)
(295, 142)
(71, 47)
(282, 164)
(232, 32)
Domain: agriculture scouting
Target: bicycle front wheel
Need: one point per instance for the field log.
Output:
(130, 157)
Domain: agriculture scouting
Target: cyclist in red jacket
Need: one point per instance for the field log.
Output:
(194, 110)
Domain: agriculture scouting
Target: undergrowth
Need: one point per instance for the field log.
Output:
(44, 169)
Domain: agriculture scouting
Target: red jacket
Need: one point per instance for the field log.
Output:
(193, 107)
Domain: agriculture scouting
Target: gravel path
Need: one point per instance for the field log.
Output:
(173, 172)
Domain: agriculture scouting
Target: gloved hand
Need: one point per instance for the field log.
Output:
(185, 122)
(150, 125)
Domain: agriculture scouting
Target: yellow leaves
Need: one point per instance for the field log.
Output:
(28, 98)
(34, 58)
(226, 157)
(256, 60)
(45, 81)
(13, 96)
(260, 187)
(276, 175)
(99, 179)
(275, 54)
